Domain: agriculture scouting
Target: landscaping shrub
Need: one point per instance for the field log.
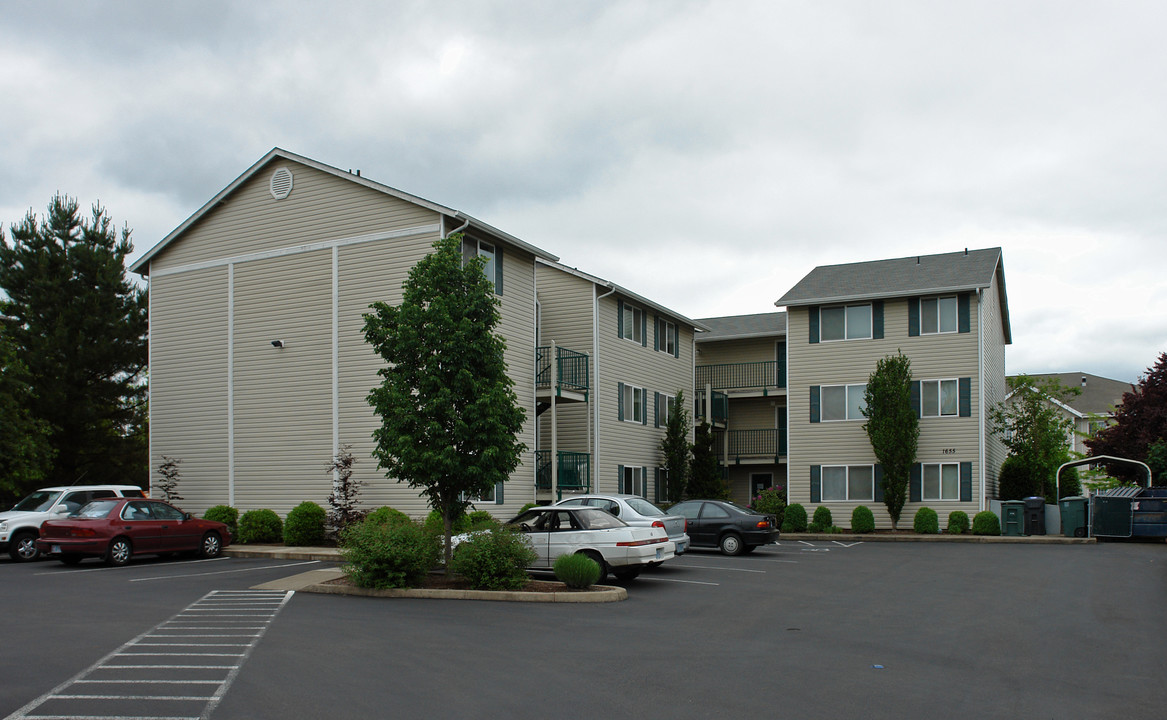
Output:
(386, 515)
(821, 521)
(926, 522)
(862, 520)
(494, 559)
(305, 525)
(481, 520)
(433, 523)
(388, 555)
(795, 519)
(577, 571)
(957, 522)
(260, 526)
(771, 501)
(986, 523)
(225, 514)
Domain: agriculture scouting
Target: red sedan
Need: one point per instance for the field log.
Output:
(116, 529)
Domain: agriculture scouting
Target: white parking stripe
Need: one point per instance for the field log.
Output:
(673, 580)
(62, 572)
(177, 674)
(224, 572)
(712, 567)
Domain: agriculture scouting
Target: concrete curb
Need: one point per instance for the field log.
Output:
(601, 593)
(283, 552)
(941, 538)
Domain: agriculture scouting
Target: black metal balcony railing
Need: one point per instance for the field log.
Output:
(573, 368)
(765, 443)
(719, 407)
(575, 470)
(737, 376)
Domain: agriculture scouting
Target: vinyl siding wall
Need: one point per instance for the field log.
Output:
(285, 425)
(995, 387)
(746, 350)
(934, 357)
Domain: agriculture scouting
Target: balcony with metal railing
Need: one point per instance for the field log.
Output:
(761, 377)
(574, 471)
(562, 375)
(751, 446)
(718, 410)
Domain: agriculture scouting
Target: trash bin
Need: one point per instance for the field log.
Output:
(1073, 510)
(1013, 517)
(1034, 516)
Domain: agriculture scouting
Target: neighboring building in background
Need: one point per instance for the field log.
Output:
(949, 314)
(1090, 410)
(741, 370)
(634, 355)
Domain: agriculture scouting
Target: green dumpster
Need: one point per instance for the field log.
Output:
(1073, 511)
(1013, 517)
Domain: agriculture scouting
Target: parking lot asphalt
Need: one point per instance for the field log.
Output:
(822, 628)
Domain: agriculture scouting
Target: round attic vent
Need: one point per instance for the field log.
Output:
(281, 183)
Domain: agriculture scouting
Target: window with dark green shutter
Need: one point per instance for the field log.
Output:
(877, 320)
(914, 484)
(816, 483)
(813, 323)
(965, 392)
(966, 482)
(815, 411)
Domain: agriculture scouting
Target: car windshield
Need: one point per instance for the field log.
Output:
(96, 509)
(645, 508)
(39, 501)
(596, 519)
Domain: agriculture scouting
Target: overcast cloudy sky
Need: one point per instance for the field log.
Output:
(706, 154)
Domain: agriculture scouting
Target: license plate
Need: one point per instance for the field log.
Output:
(55, 549)
(660, 552)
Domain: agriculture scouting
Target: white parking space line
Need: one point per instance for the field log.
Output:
(225, 572)
(63, 572)
(714, 567)
(673, 580)
(201, 674)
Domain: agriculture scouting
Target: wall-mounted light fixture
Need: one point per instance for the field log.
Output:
(277, 343)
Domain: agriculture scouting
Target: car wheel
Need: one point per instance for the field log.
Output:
(628, 572)
(599, 561)
(23, 547)
(731, 544)
(212, 546)
(71, 559)
(119, 552)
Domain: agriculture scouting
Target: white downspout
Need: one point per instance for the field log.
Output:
(981, 391)
(596, 389)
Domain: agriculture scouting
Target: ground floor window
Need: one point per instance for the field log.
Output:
(941, 481)
(632, 480)
(841, 483)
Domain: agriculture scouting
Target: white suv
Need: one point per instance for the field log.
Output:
(20, 526)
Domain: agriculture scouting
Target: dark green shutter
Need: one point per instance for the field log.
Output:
(643, 329)
(782, 365)
(656, 332)
(656, 409)
(498, 493)
(964, 394)
(620, 401)
(781, 433)
(877, 320)
(914, 397)
(913, 317)
(878, 483)
(963, 312)
(816, 483)
(644, 416)
(814, 403)
(620, 478)
(498, 269)
(676, 341)
(916, 485)
(966, 482)
(619, 318)
(813, 317)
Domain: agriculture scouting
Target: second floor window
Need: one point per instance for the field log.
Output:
(842, 402)
(666, 336)
(632, 323)
(632, 404)
(939, 398)
(850, 322)
(938, 315)
(664, 407)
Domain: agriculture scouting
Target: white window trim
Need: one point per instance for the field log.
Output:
(847, 483)
(870, 323)
(940, 486)
(822, 405)
(939, 405)
(638, 481)
(630, 327)
(662, 409)
(938, 331)
(630, 404)
(669, 334)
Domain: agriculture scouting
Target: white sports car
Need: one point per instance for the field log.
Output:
(616, 546)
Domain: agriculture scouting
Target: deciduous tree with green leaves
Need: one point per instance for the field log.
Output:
(1140, 423)
(1035, 431)
(893, 428)
(450, 418)
(79, 329)
(676, 448)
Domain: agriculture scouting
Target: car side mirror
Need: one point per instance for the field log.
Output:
(187, 516)
(61, 511)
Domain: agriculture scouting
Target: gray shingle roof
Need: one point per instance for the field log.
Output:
(901, 277)
(743, 326)
(1099, 394)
